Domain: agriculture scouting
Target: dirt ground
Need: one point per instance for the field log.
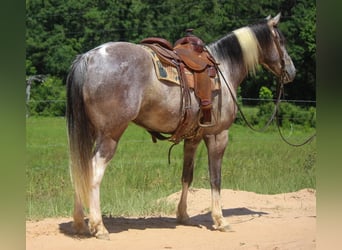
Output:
(282, 221)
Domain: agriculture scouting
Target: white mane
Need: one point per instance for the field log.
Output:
(250, 48)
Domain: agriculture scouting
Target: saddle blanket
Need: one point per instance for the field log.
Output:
(168, 72)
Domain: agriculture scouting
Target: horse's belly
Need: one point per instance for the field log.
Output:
(158, 119)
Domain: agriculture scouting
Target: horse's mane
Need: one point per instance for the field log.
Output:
(242, 46)
(249, 46)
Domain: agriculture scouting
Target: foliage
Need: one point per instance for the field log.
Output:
(265, 94)
(303, 50)
(59, 30)
(288, 114)
(47, 98)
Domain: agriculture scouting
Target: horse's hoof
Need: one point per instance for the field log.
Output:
(104, 236)
(80, 229)
(183, 220)
(225, 228)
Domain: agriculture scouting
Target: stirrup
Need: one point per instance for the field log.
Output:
(206, 124)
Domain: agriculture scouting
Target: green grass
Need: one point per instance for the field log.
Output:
(139, 174)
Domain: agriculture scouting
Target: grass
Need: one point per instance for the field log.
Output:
(139, 174)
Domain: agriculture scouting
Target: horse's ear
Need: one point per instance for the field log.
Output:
(275, 20)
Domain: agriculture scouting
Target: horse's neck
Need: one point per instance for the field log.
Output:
(237, 53)
(233, 74)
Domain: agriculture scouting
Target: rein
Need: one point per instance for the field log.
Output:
(280, 91)
(241, 112)
(309, 139)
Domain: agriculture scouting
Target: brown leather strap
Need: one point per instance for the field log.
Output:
(179, 134)
(203, 85)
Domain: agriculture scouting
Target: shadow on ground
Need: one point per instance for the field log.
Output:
(120, 224)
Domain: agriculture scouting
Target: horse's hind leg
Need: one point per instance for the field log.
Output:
(104, 151)
(216, 145)
(190, 147)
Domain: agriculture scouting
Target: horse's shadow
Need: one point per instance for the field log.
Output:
(120, 224)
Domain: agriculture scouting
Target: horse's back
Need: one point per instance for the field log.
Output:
(118, 63)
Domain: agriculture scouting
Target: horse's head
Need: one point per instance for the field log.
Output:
(275, 57)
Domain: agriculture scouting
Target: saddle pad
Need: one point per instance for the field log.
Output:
(168, 72)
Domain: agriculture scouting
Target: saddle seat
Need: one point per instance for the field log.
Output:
(190, 50)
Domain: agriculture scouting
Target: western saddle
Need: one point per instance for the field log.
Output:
(188, 52)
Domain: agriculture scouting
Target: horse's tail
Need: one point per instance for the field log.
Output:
(80, 132)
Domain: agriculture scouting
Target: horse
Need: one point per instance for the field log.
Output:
(115, 84)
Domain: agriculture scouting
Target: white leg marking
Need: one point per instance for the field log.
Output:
(220, 222)
(95, 217)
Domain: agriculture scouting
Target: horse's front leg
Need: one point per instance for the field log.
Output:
(103, 154)
(190, 147)
(216, 145)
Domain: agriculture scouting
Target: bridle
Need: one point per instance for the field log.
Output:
(283, 78)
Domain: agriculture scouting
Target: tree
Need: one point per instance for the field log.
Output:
(302, 47)
(48, 96)
(58, 30)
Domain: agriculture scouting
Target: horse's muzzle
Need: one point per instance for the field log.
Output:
(288, 77)
(289, 72)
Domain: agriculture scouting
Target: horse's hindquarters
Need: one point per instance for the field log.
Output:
(116, 79)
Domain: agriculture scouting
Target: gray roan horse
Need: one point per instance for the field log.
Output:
(115, 84)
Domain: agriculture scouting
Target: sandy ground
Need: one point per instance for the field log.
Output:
(282, 221)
